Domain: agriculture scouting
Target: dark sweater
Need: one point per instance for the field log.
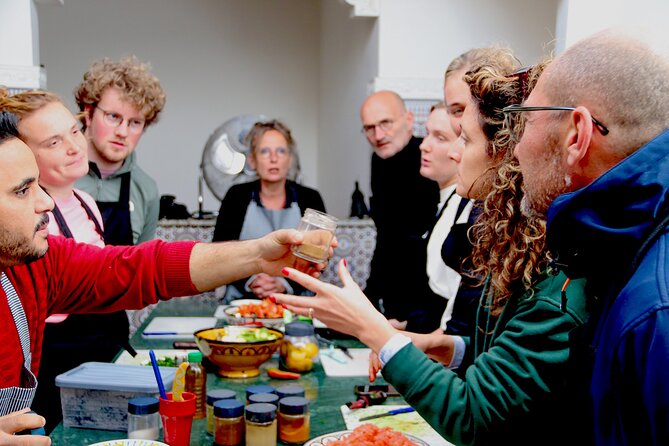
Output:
(233, 210)
(403, 205)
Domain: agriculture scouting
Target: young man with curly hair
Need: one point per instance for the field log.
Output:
(120, 100)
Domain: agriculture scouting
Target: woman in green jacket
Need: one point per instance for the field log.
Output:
(509, 387)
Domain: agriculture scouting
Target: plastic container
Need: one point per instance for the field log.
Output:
(270, 398)
(196, 383)
(229, 424)
(95, 395)
(261, 425)
(290, 390)
(318, 229)
(259, 388)
(212, 397)
(294, 420)
(299, 349)
(143, 418)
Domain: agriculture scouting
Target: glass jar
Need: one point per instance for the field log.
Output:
(290, 390)
(318, 229)
(270, 398)
(228, 422)
(294, 420)
(143, 418)
(259, 388)
(212, 397)
(299, 348)
(261, 424)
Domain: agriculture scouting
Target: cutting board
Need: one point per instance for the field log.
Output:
(410, 423)
(176, 327)
(336, 363)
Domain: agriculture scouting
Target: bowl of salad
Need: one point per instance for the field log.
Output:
(238, 351)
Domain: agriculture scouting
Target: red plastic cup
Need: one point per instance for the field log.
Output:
(177, 417)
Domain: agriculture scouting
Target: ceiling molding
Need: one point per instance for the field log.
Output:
(22, 77)
(364, 8)
(50, 2)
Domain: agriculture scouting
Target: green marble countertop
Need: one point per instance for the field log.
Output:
(327, 394)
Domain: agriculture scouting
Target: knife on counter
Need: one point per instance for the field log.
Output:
(389, 413)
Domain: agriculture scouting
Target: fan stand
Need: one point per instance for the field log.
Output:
(201, 214)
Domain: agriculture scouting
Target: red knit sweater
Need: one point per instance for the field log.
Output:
(80, 278)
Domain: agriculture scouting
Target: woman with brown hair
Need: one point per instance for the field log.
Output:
(509, 387)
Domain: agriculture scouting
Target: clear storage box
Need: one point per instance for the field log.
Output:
(95, 395)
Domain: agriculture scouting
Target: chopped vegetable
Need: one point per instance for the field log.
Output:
(282, 374)
(163, 361)
(369, 434)
(265, 309)
(260, 334)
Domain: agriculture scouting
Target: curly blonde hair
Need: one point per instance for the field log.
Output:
(509, 247)
(132, 77)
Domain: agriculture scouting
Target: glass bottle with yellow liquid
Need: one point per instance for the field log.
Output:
(196, 383)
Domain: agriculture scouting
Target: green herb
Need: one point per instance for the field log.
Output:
(162, 361)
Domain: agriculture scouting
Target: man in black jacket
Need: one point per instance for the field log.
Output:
(402, 205)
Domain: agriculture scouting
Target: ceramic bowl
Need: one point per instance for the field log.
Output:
(235, 357)
(232, 317)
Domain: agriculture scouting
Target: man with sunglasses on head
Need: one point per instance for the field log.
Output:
(403, 206)
(593, 149)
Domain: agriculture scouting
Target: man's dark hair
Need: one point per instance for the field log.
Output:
(8, 128)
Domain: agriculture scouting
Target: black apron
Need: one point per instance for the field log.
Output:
(116, 216)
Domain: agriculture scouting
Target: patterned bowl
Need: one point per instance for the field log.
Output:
(236, 357)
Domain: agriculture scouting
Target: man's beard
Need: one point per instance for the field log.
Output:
(551, 181)
(17, 250)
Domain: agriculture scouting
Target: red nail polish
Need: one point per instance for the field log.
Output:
(272, 299)
(284, 271)
(344, 262)
(283, 306)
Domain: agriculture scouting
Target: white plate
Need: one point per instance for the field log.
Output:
(126, 442)
(328, 438)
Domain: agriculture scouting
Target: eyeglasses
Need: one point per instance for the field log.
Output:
(279, 152)
(516, 124)
(113, 119)
(384, 125)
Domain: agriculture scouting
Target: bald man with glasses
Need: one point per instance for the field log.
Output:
(403, 205)
(593, 149)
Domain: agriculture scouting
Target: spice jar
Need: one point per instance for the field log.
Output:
(261, 424)
(270, 398)
(228, 422)
(259, 388)
(212, 397)
(290, 390)
(143, 418)
(294, 420)
(299, 348)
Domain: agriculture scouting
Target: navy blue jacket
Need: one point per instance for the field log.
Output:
(596, 233)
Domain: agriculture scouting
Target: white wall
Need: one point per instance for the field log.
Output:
(415, 43)
(215, 59)
(578, 19)
(349, 55)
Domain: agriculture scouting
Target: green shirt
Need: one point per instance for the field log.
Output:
(512, 389)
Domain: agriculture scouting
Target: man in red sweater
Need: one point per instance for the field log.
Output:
(42, 274)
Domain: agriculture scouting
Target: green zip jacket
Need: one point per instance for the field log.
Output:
(512, 388)
(144, 196)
